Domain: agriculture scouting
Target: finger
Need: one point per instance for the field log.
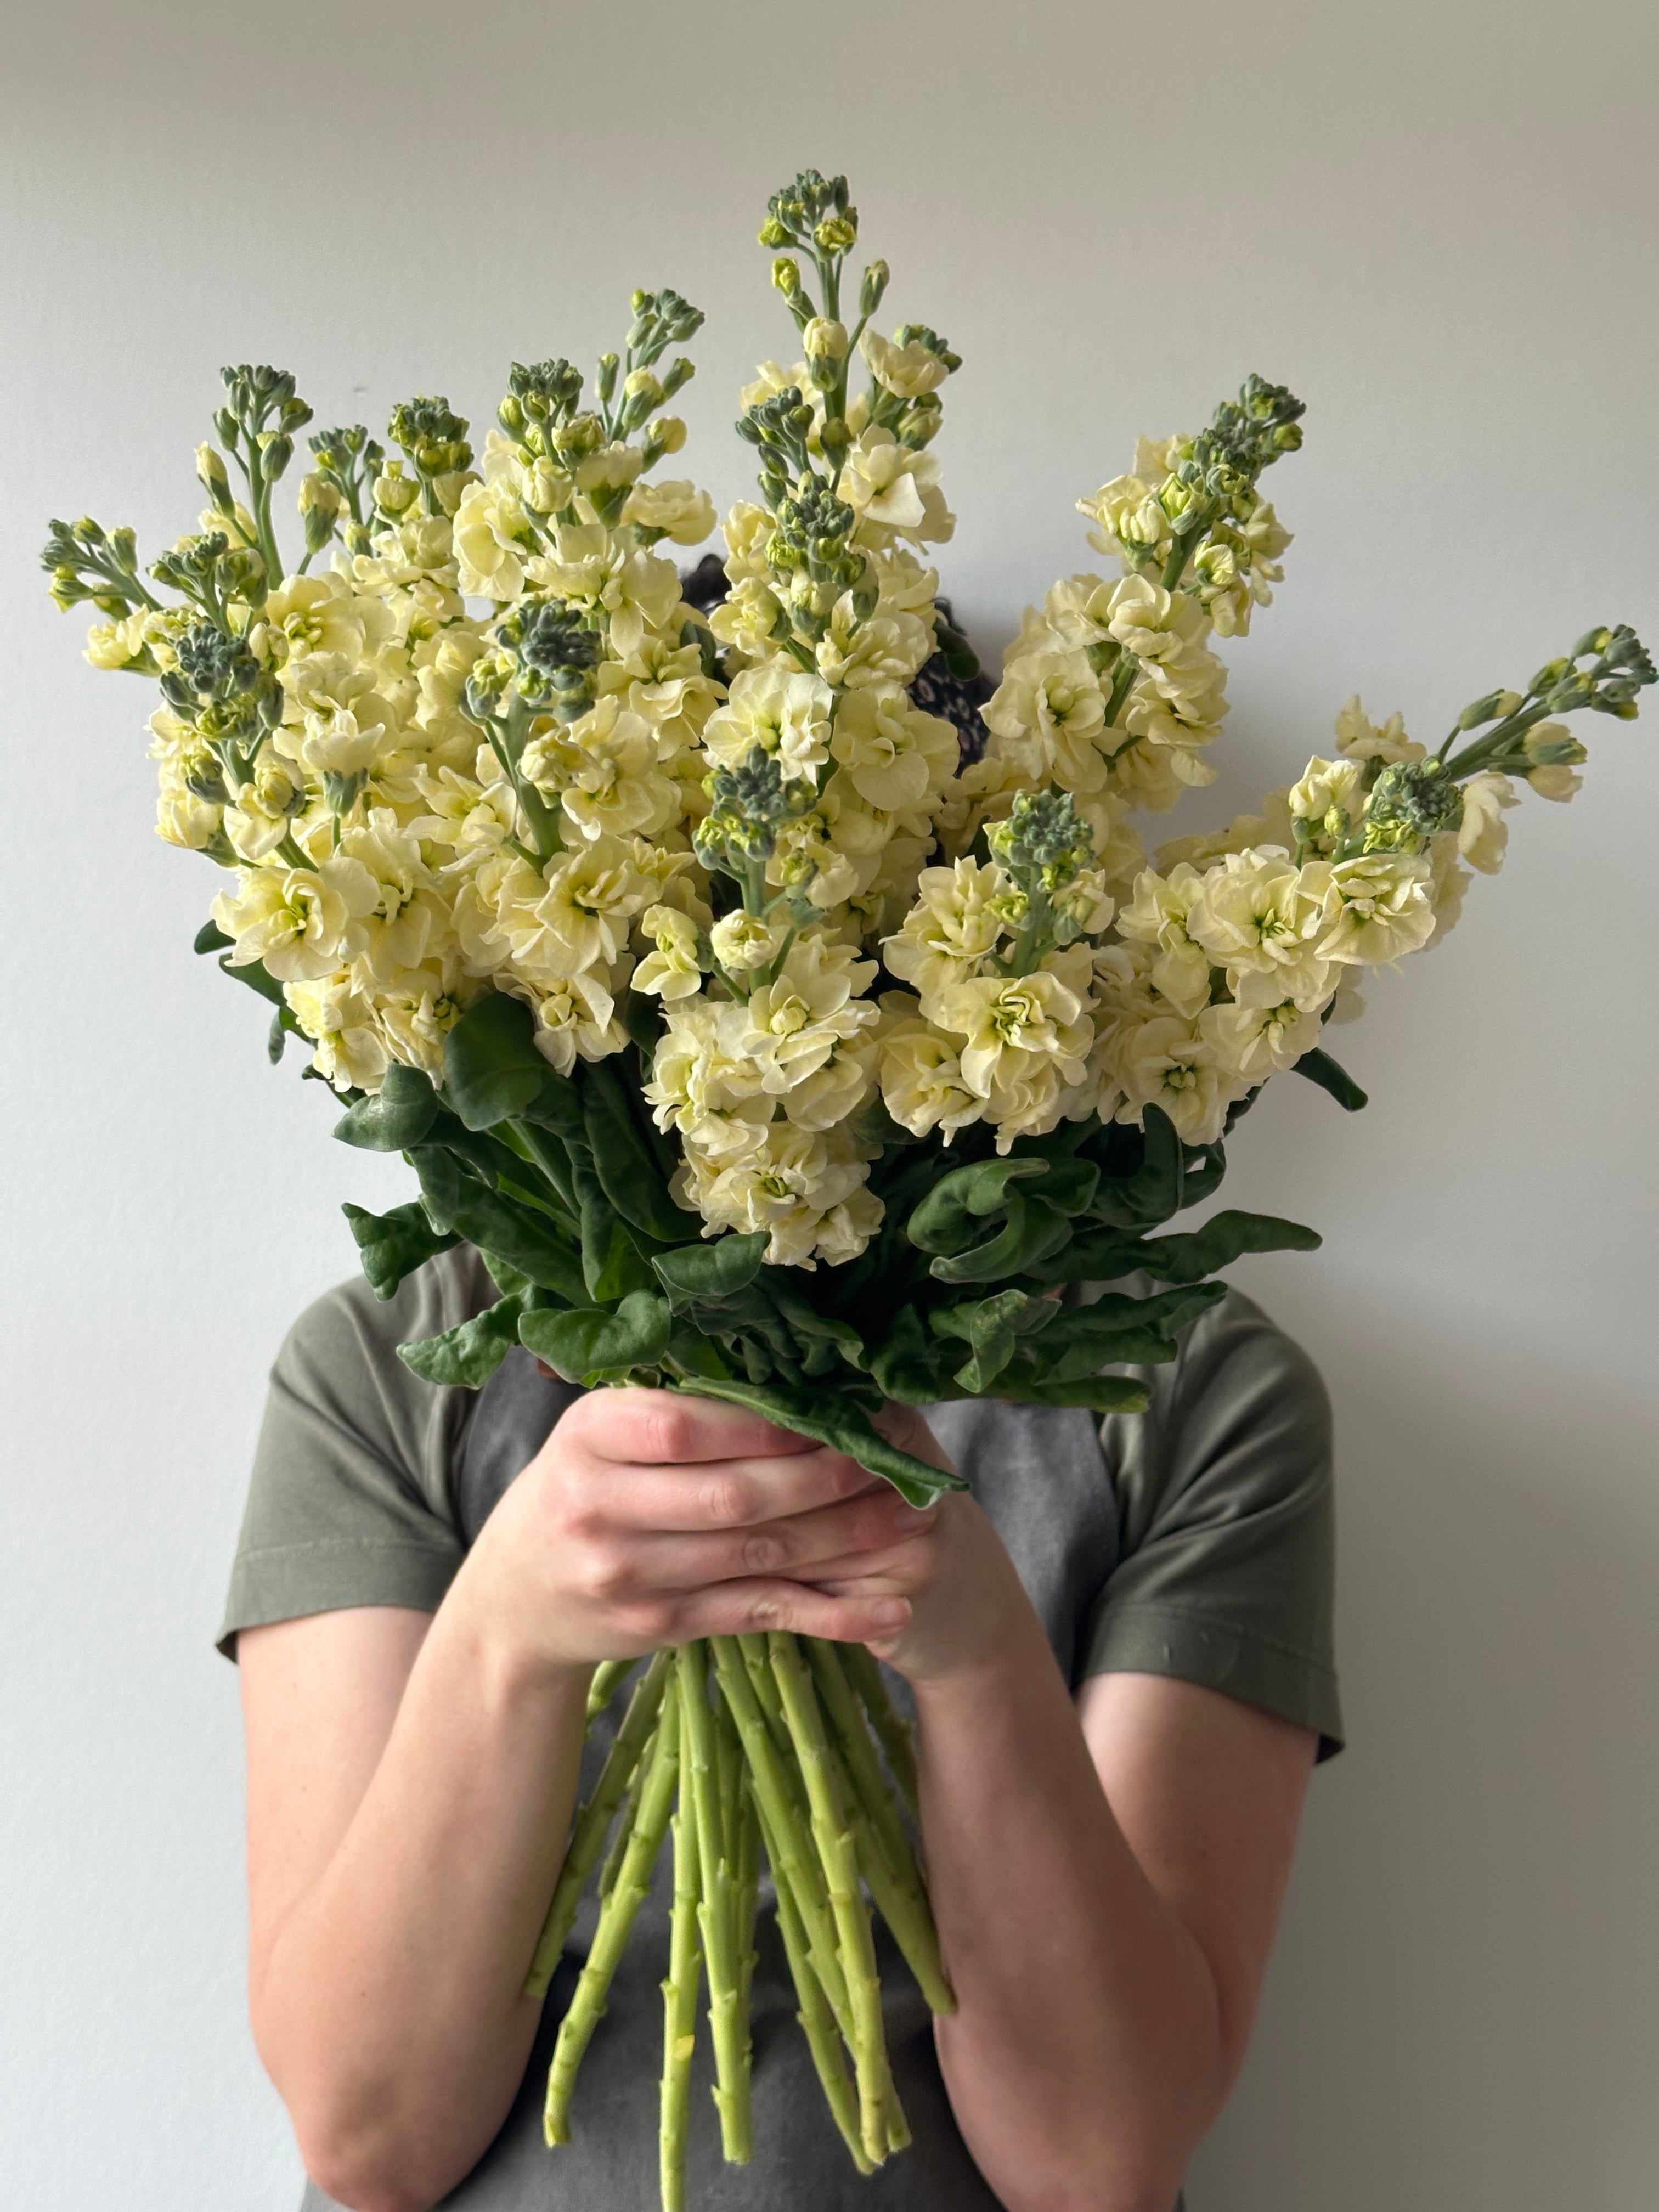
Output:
(733, 1493)
(812, 1546)
(667, 1428)
(743, 1608)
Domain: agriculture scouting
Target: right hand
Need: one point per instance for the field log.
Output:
(650, 1518)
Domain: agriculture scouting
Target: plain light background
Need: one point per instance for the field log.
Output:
(1437, 222)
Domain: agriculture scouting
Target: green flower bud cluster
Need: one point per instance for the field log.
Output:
(780, 426)
(1605, 670)
(432, 436)
(545, 393)
(347, 462)
(87, 563)
(1410, 802)
(660, 319)
(211, 573)
(259, 424)
(813, 526)
(750, 803)
(233, 701)
(554, 652)
(814, 212)
(1043, 843)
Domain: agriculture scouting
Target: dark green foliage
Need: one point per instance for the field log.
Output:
(1319, 1067)
(399, 1115)
(588, 1345)
(492, 1069)
(470, 1354)
(840, 1423)
(392, 1245)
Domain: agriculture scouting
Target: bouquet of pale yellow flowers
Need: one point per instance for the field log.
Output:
(768, 1042)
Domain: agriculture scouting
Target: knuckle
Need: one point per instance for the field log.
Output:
(763, 1553)
(726, 1499)
(602, 1571)
(765, 1610)
(667, 1431)
(650, 1620)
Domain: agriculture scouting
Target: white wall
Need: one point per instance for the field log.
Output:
(1437, 222)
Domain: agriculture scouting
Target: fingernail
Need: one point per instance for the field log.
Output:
(891, 1612)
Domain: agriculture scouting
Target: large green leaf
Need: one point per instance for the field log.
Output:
(469, 1354)
(625, 1163)
(392, 1245)
(910, 1367)
(830, 1417)
(492, 1069)
(1116, 1331)
(991, 1327)
(458, 1200)
(1156, 1190)
(953, 1214)
(712, 1270)
(588, 1344)
(1100, 1394)
(399, 1115)
(1033, 1232)
(1223, 1239)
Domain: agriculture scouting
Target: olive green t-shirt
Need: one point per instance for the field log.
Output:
(1194, 1540)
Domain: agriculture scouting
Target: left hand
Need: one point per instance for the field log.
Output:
(966, 1601)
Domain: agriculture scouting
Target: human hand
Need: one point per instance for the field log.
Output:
(649, 1518)
(966, 1602)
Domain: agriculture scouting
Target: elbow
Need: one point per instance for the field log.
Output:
(361, 2176)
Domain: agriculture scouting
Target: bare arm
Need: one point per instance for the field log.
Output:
(1106, 1877)
(411, 1783)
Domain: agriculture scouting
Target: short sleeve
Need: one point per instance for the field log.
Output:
(351, 1497)
(1226, 1559)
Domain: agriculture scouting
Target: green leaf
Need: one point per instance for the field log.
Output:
(712, 1270)
(210, 938)
(1319, 1067)
(830, 1417)
(557, 1106)
(1157, 1189)
(624, 1162)
(1035, 1232)
(1223, 1238)
(399, 1115)
(528, 1241)
(824, 1342)
(992, 1327)
(588, 1341)
(469, 1354)
(1117, 1331)
(910, 1367)
(492, 1069)
(392, 1245)
(1101, 1394)
(948, 1219)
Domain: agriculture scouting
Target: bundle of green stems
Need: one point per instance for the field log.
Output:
(746, 1745)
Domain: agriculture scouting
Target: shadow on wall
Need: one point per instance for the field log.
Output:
(1465, 2005)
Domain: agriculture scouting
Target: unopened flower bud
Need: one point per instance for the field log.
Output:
(786, 275)
(824, 340)
(876, 279)
(210, 469)
(394, 492)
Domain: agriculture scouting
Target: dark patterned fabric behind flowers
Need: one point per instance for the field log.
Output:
(952, 683)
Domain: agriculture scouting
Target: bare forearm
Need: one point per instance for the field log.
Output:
(389, 2005)
(1085, 2056)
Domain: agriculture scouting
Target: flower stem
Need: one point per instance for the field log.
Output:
(617, 1918)
(885, 1857)
(588, 1837)
(836, 1851)
(716, 1910)
(864, 1671)
(608, 1678)
(818, 2022)
(795, 1862)
(679, 1997)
